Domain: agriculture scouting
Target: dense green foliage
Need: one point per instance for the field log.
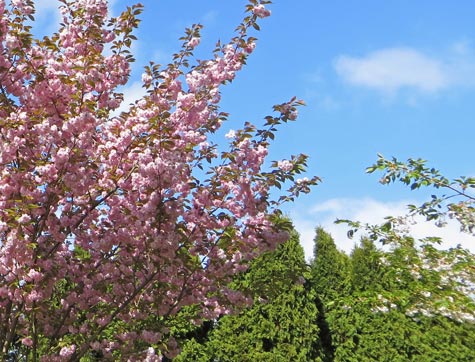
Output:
(281, 324)
(408, 301)
(366, 306)
(382, 317)
(329, 268)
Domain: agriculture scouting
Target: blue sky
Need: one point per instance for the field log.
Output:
(392, 77)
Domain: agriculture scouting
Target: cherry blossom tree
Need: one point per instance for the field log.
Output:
(111, 224)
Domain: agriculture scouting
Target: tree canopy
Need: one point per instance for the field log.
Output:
(110, 225)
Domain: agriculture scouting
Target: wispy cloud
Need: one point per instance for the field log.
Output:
(390, 70)
(370, 211)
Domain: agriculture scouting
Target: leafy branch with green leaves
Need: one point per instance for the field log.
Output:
(442, 281)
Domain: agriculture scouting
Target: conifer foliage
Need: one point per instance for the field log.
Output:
(359, 307)
(380, 317)
(281, 324)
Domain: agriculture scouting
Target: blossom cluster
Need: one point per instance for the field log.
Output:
(107, 227)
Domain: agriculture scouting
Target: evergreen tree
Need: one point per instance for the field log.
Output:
(329, 267)
(362, 307)
(279, 326)
(378, 320)
(362, 330)
(329, 279)
(367, 271)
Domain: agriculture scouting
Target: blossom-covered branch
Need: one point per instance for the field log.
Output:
(107, 226)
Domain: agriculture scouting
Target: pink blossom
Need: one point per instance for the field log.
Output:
(150, 337)
(67, 351)
(96, 207)
(285, 165)
(34, 296)
(146, 78)
(250, 47)
(24, 219)
(11, 41)
(261, 11)
(34, 275)
(151, 356)
(27, 341)
(193, 42)
(293, 115)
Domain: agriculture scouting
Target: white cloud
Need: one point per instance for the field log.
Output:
(391, 69)
(369, 211)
